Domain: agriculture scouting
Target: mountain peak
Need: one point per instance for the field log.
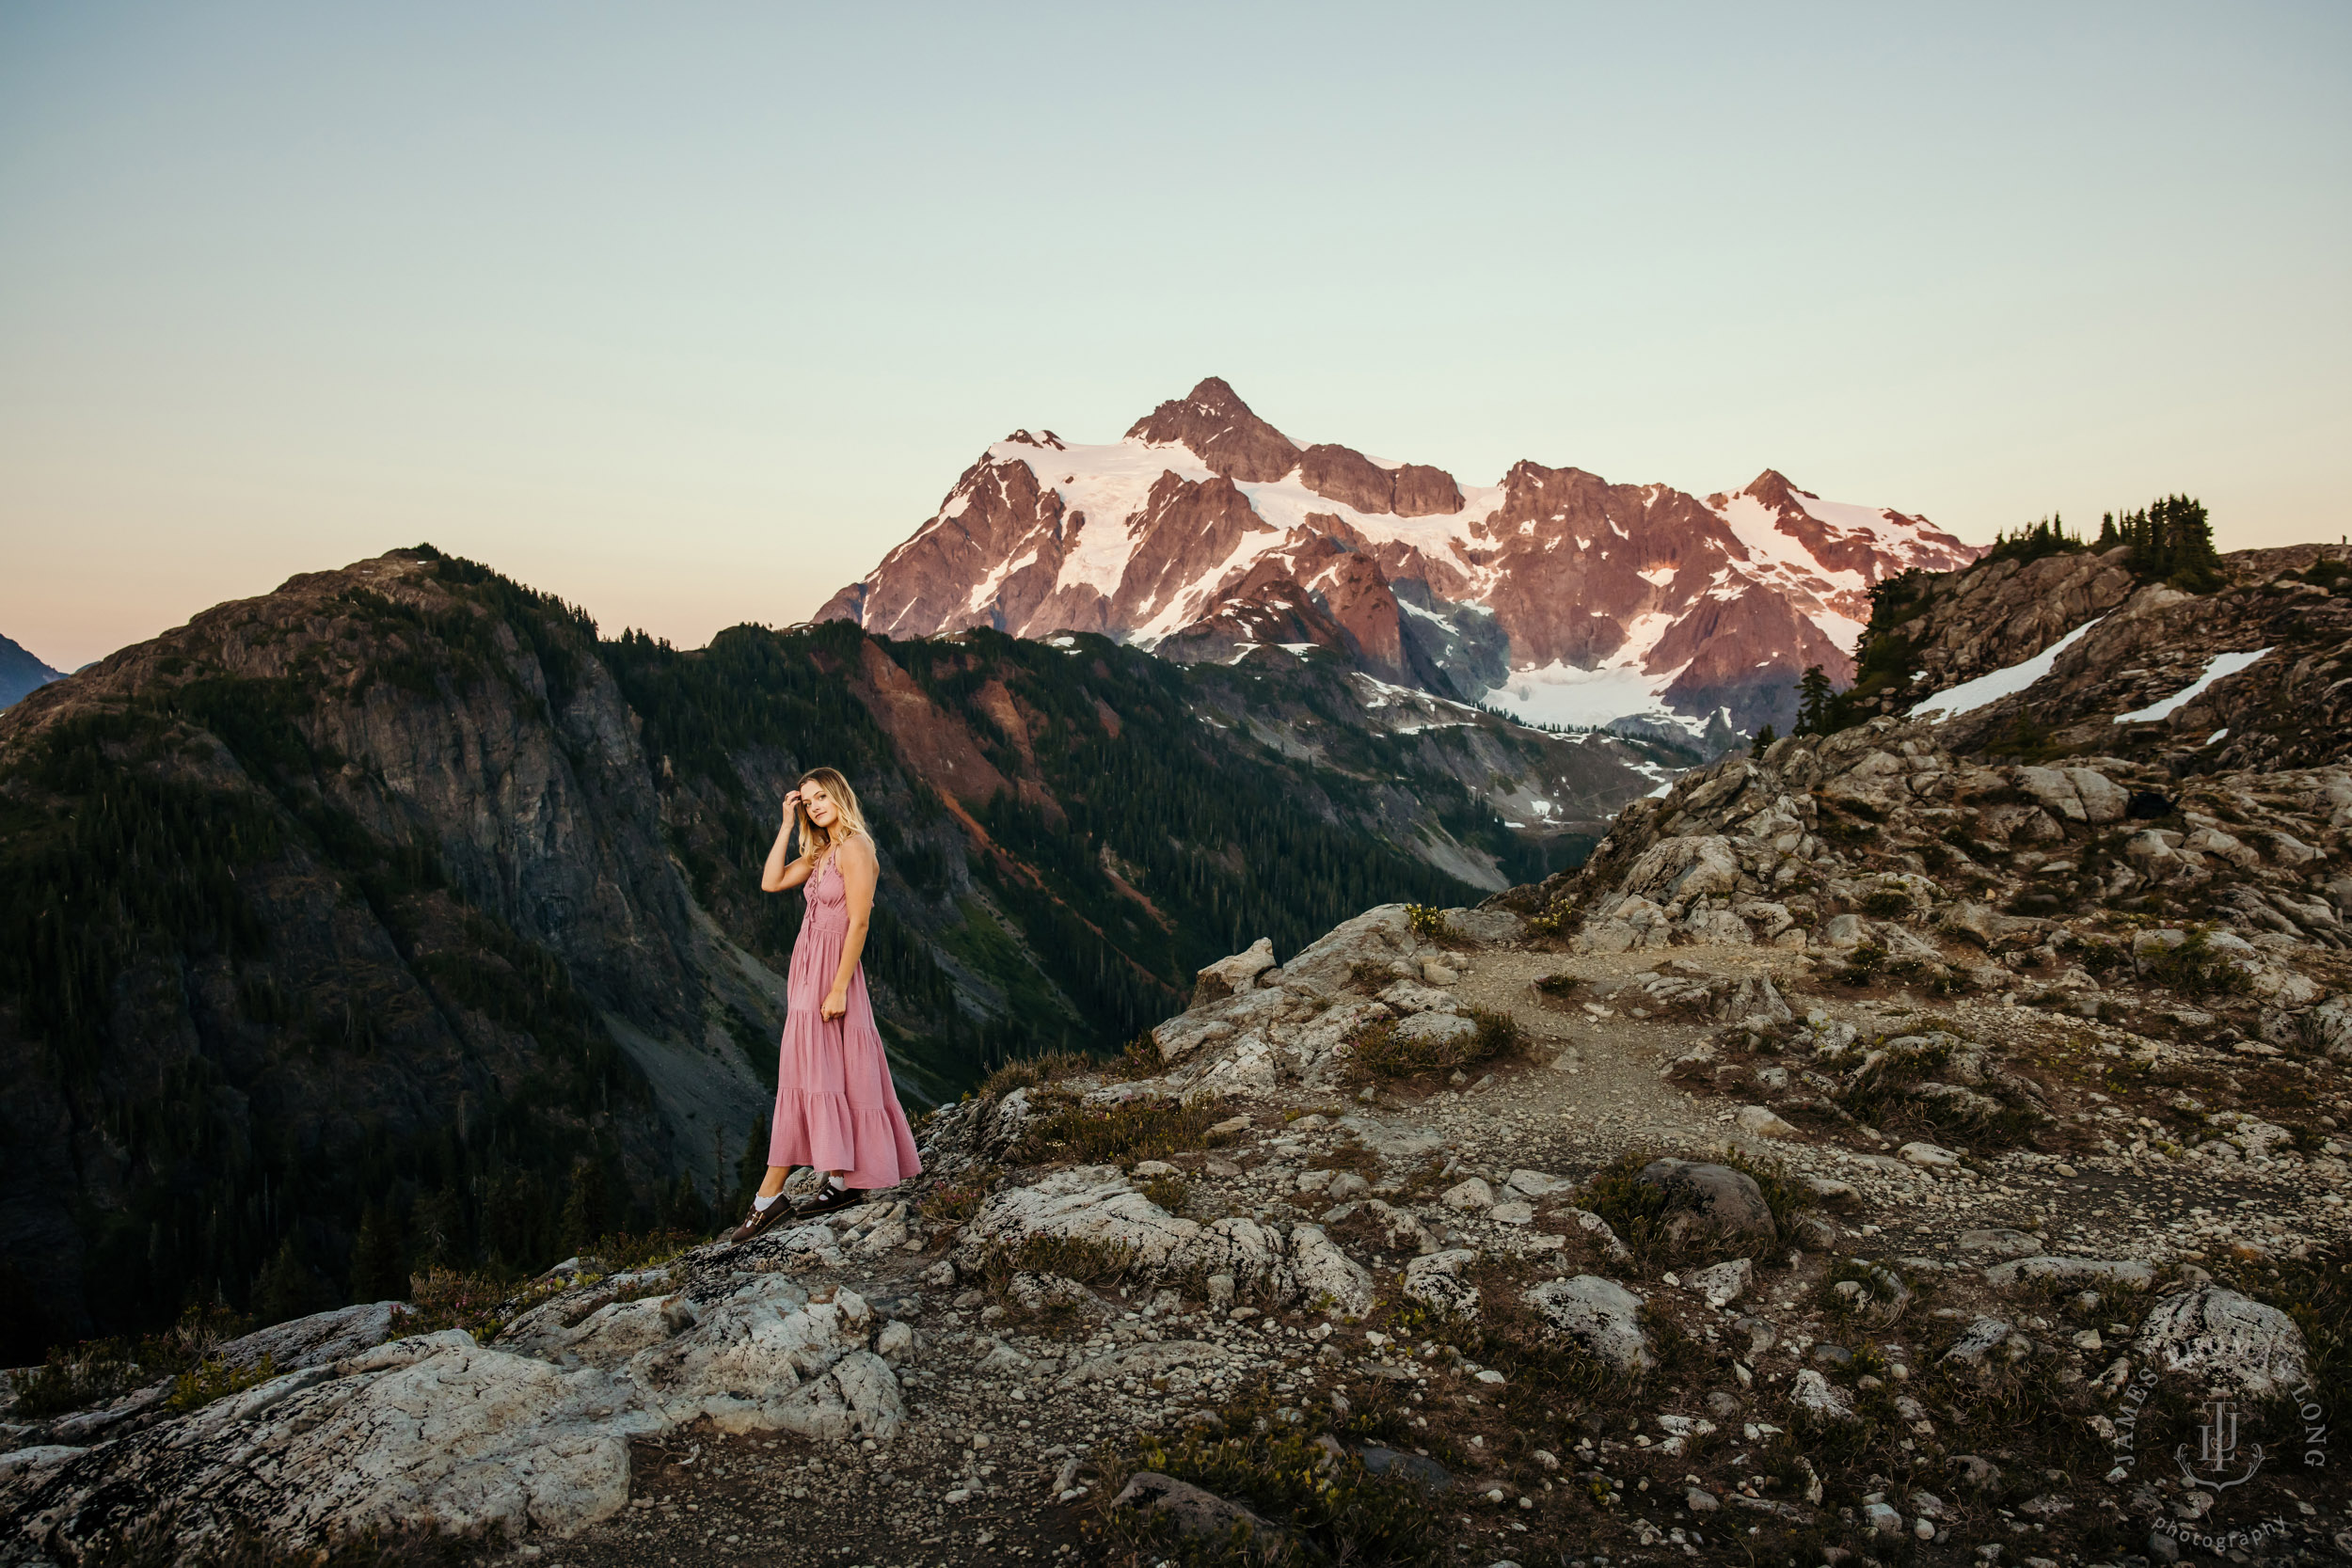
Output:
(21, 671)
(1221, 431)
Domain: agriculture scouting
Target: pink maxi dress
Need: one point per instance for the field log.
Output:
(835, 1108)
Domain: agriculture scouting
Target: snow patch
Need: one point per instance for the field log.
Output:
(1985, 690)
(2221, 667)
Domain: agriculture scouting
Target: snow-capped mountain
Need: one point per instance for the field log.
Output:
(1554, 595)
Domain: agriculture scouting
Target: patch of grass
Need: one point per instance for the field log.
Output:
(952, 1203)
(76, 1377)
(2194, 969)
(480, 1303)
(1031, 1072)
(1863, 964)
(650, 1249)
(1170, 1192)
(1371, 975)
(1382, 1051)
(211, 1380)
(1561, 985)
(1886, 903)
(1148, 1128)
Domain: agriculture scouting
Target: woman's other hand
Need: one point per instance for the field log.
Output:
(836, 1005)
(791, 801)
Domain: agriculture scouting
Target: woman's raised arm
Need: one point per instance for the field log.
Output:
(779, 873)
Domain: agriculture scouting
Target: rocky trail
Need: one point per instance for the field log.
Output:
(1800, 1181)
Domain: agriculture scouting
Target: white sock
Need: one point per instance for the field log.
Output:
(764, 1204)
(837, 1181)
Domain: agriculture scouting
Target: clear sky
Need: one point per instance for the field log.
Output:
(689, 312)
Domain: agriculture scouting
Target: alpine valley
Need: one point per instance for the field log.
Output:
(1205, 534)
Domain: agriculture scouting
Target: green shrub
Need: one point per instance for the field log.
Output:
(1029, 1072)
(1559, 985)
(209, 1379)
(2194, 969)
(1887, 903)
(1381, 1050)
(1337, 1512)
(1428, 921)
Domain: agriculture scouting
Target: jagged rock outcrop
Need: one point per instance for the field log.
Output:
(527, 1435)
(2251, 675)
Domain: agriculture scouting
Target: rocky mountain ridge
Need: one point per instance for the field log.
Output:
(1553, 593)
(20, 671)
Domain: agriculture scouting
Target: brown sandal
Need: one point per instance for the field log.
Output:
(828, 1200)
(756, 1221)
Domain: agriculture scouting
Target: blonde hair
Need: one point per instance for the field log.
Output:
(816, 841)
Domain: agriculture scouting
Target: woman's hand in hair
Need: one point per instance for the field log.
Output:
(792, 804)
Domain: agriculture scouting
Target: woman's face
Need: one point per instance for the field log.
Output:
(819, 805)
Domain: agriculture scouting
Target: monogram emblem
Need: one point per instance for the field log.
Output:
(2217, 1452)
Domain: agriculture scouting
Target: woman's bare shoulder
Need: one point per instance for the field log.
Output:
(857, 848)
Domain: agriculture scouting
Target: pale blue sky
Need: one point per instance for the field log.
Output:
(691, 312)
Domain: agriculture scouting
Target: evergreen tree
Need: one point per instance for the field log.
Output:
(439, 1233)
(1764, 738)
(587, 1207)
(2171, 542)
(379, 1265)
(289, 1288)
(1814, 698)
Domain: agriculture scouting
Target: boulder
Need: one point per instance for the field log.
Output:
(1598, 1314)
(1709, 1199)
(1199, 1515)
(2112, 1274)
(1486, 928)
(1327, 1275)
(1759, 1122)
(1228, 976)
(2010, 1243)
(1682, 869)
(1718, 927)
(1436, 1280)
(1382, 935)
(2228, 1343)
(1812, 1397)
(435, 1433)
(1096, 1205)
(1474, 1195)
(1435, 1031)
(1987, 1343)
(2054, 791)
(1722, 1284)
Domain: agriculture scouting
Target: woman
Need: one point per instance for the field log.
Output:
(835, 1109)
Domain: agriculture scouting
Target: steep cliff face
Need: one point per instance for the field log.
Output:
(1553, 593)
